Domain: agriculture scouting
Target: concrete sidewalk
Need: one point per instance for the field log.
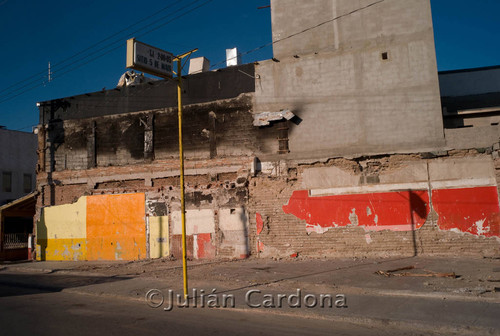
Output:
(468, 302)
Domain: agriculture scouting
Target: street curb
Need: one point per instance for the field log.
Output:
(420, 326)
(434, 295)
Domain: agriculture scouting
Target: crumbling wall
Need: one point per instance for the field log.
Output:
(216, 192)
(217, 129)
(388, 205)
(378, 206)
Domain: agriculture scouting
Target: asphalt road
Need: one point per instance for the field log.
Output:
(30, 311)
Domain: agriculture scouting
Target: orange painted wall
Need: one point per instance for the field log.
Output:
(116, 228)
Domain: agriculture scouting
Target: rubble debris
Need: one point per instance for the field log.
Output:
(265, 118)
(428, 273)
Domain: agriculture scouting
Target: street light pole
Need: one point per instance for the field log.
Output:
(181, 164)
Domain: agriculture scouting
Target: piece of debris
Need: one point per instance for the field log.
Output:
(132, 78)
(401, 269)
(428, 273)
(265, 118)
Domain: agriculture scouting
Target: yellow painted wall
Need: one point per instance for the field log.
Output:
(158, 237)
(116, 227)
(62, 231)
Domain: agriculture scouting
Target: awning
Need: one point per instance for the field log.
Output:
(21, 207)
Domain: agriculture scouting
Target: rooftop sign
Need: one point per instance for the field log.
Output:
(145, 58)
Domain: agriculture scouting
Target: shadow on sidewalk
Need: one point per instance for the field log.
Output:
(26, 284)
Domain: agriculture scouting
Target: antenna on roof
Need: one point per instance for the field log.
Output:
(50, 74)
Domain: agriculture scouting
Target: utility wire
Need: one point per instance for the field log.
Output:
(134, 32)
(30, 85)
(300, 32)
(219, 63)
(89, 48)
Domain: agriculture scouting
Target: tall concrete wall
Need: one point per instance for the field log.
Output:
(348, 97)
(17, 156)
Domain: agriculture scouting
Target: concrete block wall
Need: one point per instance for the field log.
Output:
(350, 100)
(472, 137)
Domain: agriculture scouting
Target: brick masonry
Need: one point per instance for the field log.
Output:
(264, 195)
(326, 183)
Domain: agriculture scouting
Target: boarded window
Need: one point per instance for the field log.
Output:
(27, 183)
(7, 181)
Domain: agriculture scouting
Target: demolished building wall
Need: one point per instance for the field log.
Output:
(321, 152)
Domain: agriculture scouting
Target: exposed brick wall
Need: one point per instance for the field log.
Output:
(221, 145)
(284, 234)
(210, 130)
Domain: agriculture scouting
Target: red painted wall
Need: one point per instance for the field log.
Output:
(397, 211)
(206, 249)
(471, 210)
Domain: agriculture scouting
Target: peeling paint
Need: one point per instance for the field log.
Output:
(260, 223)
(353, 218)
(203, 246)
(480, 228)
(317, 228)
(468, 210)
(461, 210)
(107, 214)
(118, 251)
(396, 211)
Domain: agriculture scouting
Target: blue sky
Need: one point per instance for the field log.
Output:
(34, 32)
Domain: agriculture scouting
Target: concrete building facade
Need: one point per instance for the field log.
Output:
(471, 106)
(18, 159)
(353, 78)
(336, 147)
